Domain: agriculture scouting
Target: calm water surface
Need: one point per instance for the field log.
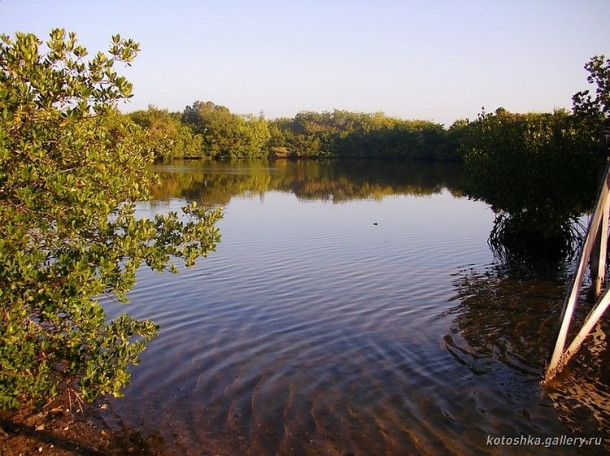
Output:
(353, 308)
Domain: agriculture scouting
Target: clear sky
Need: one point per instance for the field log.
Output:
(438, 60)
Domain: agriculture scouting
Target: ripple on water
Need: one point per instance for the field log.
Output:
(336, 338)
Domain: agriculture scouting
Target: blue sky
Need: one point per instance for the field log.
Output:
(438, 60)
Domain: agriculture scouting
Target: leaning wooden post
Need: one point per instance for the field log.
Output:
(557, 359)
(598, 256)
(593, 317)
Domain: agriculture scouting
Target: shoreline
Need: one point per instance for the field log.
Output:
(56, 431)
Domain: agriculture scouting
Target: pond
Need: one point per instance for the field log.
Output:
(354, 308)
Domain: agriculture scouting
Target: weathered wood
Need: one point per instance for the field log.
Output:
(593, 317)
(597, 226)
(598, 256)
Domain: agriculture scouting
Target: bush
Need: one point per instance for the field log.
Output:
(71, 169)
(538, 171)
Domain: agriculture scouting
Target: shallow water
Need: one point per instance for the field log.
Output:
(353, 308)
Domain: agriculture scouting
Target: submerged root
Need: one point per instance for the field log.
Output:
(525, 236)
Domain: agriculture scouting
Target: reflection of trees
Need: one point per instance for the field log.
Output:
(212, 182)
(505, 317)
(510, 315)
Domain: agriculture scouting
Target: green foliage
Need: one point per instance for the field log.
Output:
(169, 137)
(71, 169)
(226, 135)
(540, 169)
(207, 130)
(343, 134)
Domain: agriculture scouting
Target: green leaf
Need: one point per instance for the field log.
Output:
(69, 182)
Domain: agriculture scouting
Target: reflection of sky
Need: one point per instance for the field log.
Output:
(424, 222)
(351, 302)
(427, 218)
(148, 209)
(432, 211)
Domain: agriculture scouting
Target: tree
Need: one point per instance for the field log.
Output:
(255, 136)
(536, 170)
(226, 135)
(168, 135)
(71, 169)
(595, 110)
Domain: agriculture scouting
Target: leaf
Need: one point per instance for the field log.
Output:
(69, 182)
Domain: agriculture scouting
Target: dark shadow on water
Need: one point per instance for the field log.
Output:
(504, 313)
(509, 314)
(526, 242)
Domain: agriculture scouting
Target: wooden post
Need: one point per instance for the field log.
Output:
(598, 256)
(593, 317)
(598, 224)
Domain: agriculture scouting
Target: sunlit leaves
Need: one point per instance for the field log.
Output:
(357, 135)
(226, 135)
(168, 136)
(71, 169)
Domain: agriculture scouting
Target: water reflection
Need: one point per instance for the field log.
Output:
(509, 314)
(313, 330)
(212, 182)
(499, 319)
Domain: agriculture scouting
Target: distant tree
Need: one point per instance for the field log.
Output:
(254, 135)
(216, 126)
(71, 169)
(453, 138)
(336, 134)
(312, 134)
(227, 135)
(167, 135)
(343, 134)
(280, 138)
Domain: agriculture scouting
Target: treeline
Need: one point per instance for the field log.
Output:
(207, 130)
(538, 171)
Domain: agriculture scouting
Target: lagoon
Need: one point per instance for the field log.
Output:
(353, 307)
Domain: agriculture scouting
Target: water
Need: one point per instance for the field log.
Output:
(352, 308)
